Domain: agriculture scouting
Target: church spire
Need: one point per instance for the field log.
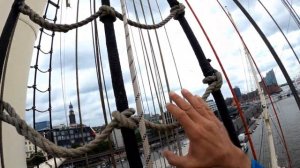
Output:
(72, 117)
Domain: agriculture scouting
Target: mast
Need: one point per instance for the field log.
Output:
(263, 104)
(22, 33)
(265, 113)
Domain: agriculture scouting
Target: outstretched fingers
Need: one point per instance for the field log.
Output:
(187, 107)
(197, 103)
(184, 120)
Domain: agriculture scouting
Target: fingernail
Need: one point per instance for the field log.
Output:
(184, 91)
(172, 93)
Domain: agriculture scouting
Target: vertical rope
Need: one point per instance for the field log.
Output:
(166, 80)
(146, 59)
(155, 82)
(77, 83)
(97, 55)
(170, 46)
(130, 141)
(137, 93)
(241, 113)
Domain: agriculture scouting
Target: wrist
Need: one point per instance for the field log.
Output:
(238, 159)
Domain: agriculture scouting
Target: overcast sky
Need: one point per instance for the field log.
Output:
(218, 27)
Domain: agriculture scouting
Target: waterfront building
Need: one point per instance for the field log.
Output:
(30, 149)
(271, 83)
(270, 78)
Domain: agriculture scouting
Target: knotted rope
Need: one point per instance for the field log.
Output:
(214, 83)
(124, 119)
(103, 11)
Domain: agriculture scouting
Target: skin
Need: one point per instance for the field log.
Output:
(210, 145)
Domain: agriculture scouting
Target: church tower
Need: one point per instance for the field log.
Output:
(71, 115)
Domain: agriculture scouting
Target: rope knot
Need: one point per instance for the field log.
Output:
(215, 83)
(107, 11)
(123, 119)
(177, 11)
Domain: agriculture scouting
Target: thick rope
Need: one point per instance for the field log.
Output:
(123, 119)
(136, 90)
(104, 10)
(214, 83)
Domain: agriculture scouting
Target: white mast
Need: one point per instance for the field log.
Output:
(16, 79)
(263, 104)
(265, 113)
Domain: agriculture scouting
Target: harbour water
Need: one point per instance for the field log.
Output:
(289, 116)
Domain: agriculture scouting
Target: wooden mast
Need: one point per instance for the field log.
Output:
(263, 105)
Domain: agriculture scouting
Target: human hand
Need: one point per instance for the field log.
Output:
(210, 145)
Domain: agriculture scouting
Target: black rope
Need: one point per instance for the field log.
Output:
(208, 71)
(273, 52)
(97, 54)
(130, 141)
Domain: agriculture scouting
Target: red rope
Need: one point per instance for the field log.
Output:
(275, 112)
(229, 84)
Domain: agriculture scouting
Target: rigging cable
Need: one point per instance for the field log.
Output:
(170, 46)
(142, 82)
(280, 30)
(166, 81)
(62, 67)
(96, 47)
(156, 86)
(175, 65)
(77, 83)
(228, 81)
(146, 55)
(292, 8)
(294, 16)
(273, 52)
(263, 82)
(131, 146)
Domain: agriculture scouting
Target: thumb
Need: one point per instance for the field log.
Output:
(173, 159)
